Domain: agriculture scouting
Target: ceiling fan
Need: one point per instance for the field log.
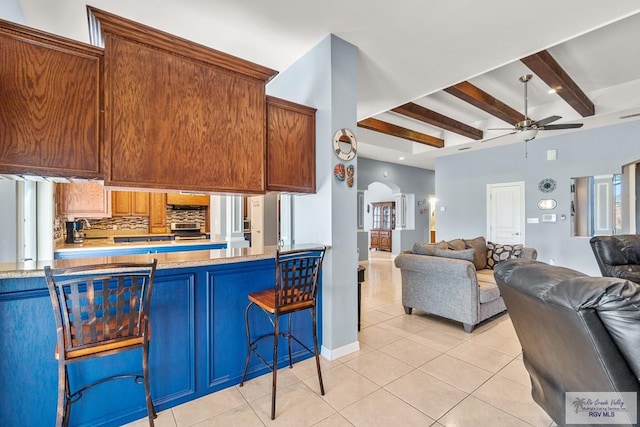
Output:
(527, 129)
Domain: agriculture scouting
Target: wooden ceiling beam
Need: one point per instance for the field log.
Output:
(481, 99)
(418, 112)
(400, 132)
(548, 69)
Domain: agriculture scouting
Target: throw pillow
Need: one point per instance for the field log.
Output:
(427, 248)
(456, 244)
(464, 254)
(497, 252)
(479, 245)
(423, 248)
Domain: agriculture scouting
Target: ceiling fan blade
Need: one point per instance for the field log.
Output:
(547, 120)
(499, 136)
(564, 126)
(513, 129)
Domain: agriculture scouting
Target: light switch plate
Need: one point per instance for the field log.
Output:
(533, 220)
(548, 217)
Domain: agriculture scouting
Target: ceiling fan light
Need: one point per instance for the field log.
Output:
(527, 134)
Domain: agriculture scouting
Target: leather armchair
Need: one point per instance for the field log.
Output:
(578, 333)
(618, 256)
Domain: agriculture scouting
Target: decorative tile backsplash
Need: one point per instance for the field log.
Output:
(121, 223)
(135, 223)
(186, 216)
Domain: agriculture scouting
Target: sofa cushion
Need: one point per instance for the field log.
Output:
(487, 284)
(464, 254)
(457, 244)
(479, 245)
(427, 248)
(497, 252)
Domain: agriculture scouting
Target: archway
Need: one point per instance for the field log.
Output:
(375, 197)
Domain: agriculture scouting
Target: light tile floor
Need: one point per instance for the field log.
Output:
(415, 370)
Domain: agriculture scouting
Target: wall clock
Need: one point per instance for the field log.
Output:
(344, 144)
(547, 185)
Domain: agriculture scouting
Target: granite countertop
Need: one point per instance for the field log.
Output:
(183, 259)
(97, 244)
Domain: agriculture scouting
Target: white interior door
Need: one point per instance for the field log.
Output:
(257, 221)
(505, 212)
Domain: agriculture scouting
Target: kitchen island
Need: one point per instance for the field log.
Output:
(198, 343)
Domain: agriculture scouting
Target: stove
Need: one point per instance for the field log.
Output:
(188, 231)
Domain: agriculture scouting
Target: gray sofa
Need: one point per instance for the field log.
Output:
(454, 279)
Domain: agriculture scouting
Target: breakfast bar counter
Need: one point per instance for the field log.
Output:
(198, 343)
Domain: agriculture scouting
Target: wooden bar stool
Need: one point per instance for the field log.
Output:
(100, 310)
(296, 289)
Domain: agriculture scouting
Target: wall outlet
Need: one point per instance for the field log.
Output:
(552, 262)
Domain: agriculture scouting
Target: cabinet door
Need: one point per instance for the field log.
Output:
(188, 117)
(386, 217)
(50, 115)
(85, 200)
(385, 240)
(130, 203)
(121, 202)
(291, 147)
(375, 239)
(157, 213)
(139, 203)
(376, 216)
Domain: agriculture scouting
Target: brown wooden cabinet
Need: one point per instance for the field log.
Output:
(384, 219)
(130, 203)
(189, 117)
(188, 199)
(85, 200)
(157, 212)
(50, 115)
(291, 146)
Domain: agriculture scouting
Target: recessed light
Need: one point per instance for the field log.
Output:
(400, 158)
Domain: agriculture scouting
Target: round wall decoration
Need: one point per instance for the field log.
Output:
(344, 144)
(547, 185)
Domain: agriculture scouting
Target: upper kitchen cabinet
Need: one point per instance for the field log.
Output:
(184, 199)
(179, 115)
(130, 203)
(291, 147)
(50, 115)
(85, 200)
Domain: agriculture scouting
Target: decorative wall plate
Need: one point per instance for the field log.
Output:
(344, 144)
(547, 185)
(546, 204)
(340, 172)
(351, 170)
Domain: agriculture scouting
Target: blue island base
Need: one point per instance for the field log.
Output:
(198, 346)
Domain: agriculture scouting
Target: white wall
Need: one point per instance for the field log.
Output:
(325, 78)
(461, 181)
(8, 237)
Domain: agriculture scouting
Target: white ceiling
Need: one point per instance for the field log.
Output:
(410, 51)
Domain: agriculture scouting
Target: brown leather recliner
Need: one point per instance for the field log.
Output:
(618, 256)
(578, 333)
